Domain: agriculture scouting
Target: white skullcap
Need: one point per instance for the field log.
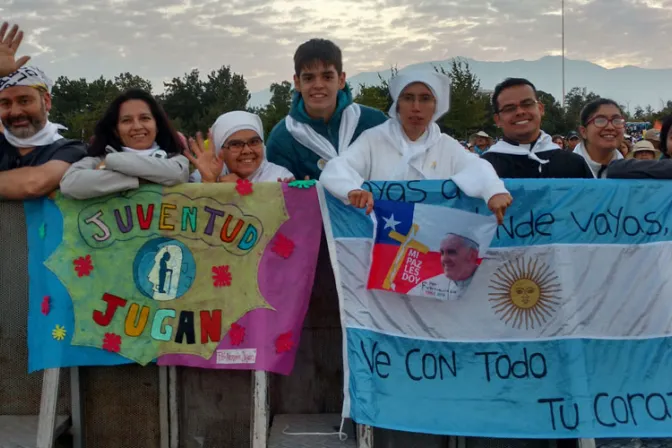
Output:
(231, 122)
(438, 83)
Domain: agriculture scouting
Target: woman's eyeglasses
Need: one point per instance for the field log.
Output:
(602, 122)
(238, 145)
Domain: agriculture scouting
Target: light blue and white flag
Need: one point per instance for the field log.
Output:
(562, 330)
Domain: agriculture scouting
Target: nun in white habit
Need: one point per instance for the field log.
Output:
(238, 152)
(411, 146)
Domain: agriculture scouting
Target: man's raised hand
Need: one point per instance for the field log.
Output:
(9, 43)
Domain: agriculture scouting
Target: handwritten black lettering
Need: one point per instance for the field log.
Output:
(612, 223)
(423, 193)
(529, 226)
(378, 358)
(449, 190)
(666, 410)
(430, 366)
(658, 225)
(626, 409)
(534, 365)
(551, 408)
(597, 412)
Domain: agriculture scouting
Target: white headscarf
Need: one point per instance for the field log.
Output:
(439, 84)
(31, 77)
(228, 124)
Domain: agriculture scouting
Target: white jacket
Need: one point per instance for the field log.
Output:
(381, 153)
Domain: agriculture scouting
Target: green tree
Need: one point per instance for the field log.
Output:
(278, 107)
(469, 105)
(553, 121)
(377, 96)
(195, 104)
(125, 81)
(182, 101)
(575, 100)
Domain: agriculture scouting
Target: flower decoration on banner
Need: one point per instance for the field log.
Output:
(244, 187)
(59, 332)
(237, 334)
(221, 276)
(303, 184)
(46, 305)
(283, 246)
(83, 266)
(284, 343)
(112, 342)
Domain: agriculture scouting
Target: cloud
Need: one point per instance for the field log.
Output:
(161, 39)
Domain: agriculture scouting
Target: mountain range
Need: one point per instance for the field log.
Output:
(631, 86)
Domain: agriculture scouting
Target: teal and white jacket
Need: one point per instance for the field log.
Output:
(304, 145)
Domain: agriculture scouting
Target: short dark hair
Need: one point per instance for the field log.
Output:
(556, 136)
(592, 107)
(105, 133)
(664, 132)
(315, 51)
(507, 84)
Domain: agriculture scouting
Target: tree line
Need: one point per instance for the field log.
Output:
(193, 102)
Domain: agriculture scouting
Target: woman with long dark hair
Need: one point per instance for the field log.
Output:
(133, 142)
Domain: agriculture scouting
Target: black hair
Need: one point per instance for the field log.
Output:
(664, 132)
(507, 84)
(315, 51)
(557, 136)
(592, 107)
(105, 132)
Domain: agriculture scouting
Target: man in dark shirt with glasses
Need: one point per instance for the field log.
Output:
(526, 151)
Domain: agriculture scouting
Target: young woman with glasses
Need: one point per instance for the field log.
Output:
(602, 130)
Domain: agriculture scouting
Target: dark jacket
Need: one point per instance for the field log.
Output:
(66, 150)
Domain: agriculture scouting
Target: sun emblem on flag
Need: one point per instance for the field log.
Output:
(524, 293)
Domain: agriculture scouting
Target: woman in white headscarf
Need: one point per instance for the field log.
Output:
(411, 146)
(238, 152)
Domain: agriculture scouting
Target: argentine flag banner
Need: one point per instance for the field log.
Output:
(555, 324)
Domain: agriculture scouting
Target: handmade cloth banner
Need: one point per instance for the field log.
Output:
(199, 275)
(563, 331)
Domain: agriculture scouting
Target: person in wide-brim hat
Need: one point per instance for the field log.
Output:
(644, 150)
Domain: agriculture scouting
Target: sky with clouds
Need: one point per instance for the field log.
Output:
(160, 39)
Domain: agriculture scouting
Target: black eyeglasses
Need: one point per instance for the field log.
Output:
(525, 105)
(238, 145)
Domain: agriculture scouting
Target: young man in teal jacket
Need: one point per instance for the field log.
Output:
(323, 121)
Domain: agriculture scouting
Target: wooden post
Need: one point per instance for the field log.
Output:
(260, 409)
(47, 421)
(364, 436)
(173, 408)
(164, 425)
(76, 406)
(586, 443)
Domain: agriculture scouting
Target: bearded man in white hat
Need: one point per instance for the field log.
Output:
(33, 156)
